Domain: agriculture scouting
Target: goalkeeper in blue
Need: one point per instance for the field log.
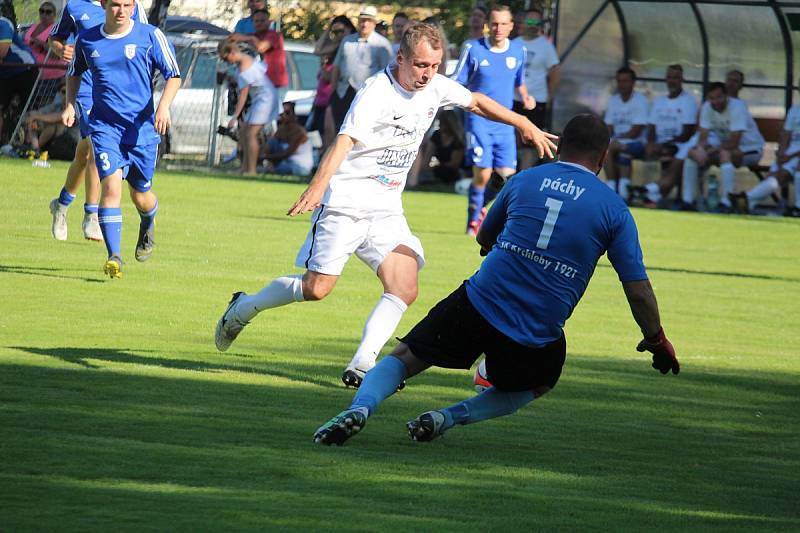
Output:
(122, 56)
(542, 237)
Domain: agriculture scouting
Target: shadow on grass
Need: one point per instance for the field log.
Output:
(170, 452)
(46, 272)
(715, 273)
(83, 356)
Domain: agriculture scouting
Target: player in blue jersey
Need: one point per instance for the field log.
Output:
(77, 17)
(494, 66)
(122, 56)
(543, 236)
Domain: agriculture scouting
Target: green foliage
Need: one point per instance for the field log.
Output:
(118, 413)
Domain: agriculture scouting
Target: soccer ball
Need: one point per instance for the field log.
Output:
(480, 381)
(462, 186)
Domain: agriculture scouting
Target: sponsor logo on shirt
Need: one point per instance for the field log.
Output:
(387, 182)
(85, 17)
(95, 54)
(484, 63)
(396, 158)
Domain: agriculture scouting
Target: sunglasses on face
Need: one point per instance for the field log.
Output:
(534, 22)
(337, 32)
(46, 12)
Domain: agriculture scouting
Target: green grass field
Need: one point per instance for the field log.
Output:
(117, 412)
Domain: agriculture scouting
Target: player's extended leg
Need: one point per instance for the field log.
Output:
(75, 175)
(91, 189)
(110, 218)
(281, 291)
(379, 383)
(476, 196)
(398, 274)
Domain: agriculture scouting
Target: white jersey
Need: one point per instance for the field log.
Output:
(541, 57)
(262, 92)
(388, 124)
(735, 118)
(792, 126)
(625, 115)
(670, 115)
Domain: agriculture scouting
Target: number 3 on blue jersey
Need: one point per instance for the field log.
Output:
(553, 208)
(107, 164)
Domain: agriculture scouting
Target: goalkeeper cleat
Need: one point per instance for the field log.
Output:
(59, 227)
(113, 267)
(229, 326)
(341, 427)
(352, 377)
(146, 242)
(426, 427)
(91, 228)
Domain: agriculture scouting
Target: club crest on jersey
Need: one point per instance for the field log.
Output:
(130, 51)
(511, 62)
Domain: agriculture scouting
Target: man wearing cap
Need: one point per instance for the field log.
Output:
(359, 56)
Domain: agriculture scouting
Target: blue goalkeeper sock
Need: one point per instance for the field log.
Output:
(148, 217)
(65, 198)
(491, 403)
(110, 219)
(475, 198)
(379, 383)
(88, 209)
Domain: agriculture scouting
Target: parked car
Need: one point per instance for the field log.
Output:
(192, 111)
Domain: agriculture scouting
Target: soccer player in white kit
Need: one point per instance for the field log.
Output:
(355, 195)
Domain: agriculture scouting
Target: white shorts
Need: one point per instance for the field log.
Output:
(791, 166)
(334, 236)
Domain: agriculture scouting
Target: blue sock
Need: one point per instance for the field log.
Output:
(110, 219)
(380, 383)
(475, 197)
(65, 198)
(147, 218)
(491, 403)
(89, 209)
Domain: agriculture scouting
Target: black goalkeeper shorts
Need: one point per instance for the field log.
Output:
(454, 335)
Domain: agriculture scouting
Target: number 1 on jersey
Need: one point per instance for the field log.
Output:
(553, 208)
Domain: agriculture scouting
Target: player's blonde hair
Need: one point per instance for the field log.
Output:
(417, 32)
(226, 47)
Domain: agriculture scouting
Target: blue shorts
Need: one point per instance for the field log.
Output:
(82, 108)
(491, 149)
(138, 163)
(633, 150)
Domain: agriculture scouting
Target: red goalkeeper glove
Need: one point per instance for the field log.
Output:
(664, 358)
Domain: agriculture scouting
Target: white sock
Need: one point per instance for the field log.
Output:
(797, 189)
(380, 325)
(728, 172)
(281, 291)
(689, 186)
(762, 190)
(623, 187)
(653, 192)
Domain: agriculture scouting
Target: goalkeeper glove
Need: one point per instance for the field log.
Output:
(664, 358)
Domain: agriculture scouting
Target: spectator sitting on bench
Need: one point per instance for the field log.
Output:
(626, 118)
(740, 144)
(290, 150)
(786, 166)
(673, 120)
(44, 124)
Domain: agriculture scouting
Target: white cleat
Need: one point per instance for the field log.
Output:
(59, 213)
(91, 228)
(229, 326)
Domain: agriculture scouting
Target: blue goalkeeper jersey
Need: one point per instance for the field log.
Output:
(123, 67)
(495, 73)
(553, 223)
(79, 16)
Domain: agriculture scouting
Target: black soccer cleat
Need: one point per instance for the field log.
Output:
(426, 427)
(146, 242)
(352, 377)
(341, 427)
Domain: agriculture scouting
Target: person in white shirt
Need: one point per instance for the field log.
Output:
(252, 81)
(673, 121)
(542, 74)
(627, 116)
(740, 143)
(781, 173)
(355, 195)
